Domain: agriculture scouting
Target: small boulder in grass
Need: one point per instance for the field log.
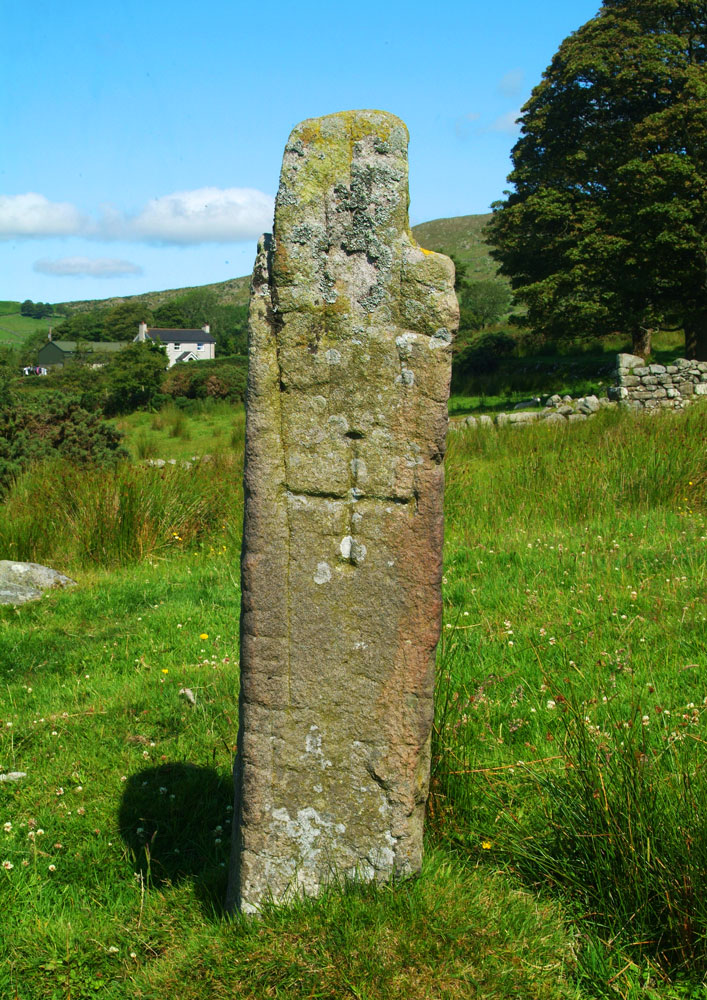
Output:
(13, 776)
(24, 581)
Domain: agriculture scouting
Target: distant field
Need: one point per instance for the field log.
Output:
(8, 306)
(14, 328)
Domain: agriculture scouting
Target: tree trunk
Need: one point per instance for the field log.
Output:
(696, 336)
(641, 341)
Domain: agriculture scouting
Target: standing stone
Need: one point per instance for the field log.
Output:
(350, 337)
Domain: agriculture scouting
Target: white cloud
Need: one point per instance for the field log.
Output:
(93, 267)
(33, 215)
(506, 123)
(207, 215)
(510, 85)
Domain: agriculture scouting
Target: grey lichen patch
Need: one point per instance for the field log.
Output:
(350, 351)
(322, 573)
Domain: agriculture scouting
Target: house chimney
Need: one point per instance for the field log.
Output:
(49, 334)
(142, 333)
(206, 328)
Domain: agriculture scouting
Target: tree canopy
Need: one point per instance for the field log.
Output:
(606, 228)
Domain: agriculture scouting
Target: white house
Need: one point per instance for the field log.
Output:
(181, 345)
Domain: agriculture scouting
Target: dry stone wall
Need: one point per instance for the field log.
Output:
(350, 334)
(651, 387)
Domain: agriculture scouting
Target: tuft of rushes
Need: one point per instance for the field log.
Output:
(68, 516)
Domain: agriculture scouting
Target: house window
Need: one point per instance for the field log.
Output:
(177, 347)
(200, 347)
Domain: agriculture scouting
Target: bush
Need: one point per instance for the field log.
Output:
(59, 427)
(223, 379)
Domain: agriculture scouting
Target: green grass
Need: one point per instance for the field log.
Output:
(566, 847)
(209, 427)
(15, 329)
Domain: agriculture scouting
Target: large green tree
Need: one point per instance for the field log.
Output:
(606, 227)
(134, 377)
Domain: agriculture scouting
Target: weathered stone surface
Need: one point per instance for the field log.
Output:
(351, 325)
(628, 361)
(23, 581)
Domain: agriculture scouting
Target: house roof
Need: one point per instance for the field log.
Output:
(186, 356)
(180, 336)
(94, 346)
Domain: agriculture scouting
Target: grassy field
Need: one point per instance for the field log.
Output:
(15, 329)
(566, 846)
(208, 428)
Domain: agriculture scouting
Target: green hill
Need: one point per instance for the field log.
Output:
(463, 237)
(234, 291)
(15, 328)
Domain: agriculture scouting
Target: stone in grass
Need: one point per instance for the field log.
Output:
(13, 776)
(588, 404)
(350, 336)
(23, 581)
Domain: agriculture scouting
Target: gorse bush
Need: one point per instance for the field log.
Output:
(55, 426)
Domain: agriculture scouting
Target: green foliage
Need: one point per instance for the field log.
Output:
(119, 514)
(463, 239)
(37, 310)
(571, 703)
(551, 537)
(482, 303)
(207, 380)
(605, 228)
(482, 355)
(228, 322)
(134, 377)
(122, 321)
(58, 426)
(85, 326)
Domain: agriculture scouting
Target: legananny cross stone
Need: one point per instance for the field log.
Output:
(350, 334)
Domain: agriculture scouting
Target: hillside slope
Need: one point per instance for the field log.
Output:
(463, 237)
(234, 291)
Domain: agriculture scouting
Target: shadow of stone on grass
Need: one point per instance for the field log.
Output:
(176, 821)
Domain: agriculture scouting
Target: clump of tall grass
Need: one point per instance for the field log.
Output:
(65, 515)
(612, 816)
(614, 461)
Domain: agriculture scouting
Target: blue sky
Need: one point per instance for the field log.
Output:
(142, 141)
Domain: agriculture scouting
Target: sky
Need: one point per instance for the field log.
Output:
(141, 141)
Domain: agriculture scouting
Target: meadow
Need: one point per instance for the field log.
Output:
(566, 840)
